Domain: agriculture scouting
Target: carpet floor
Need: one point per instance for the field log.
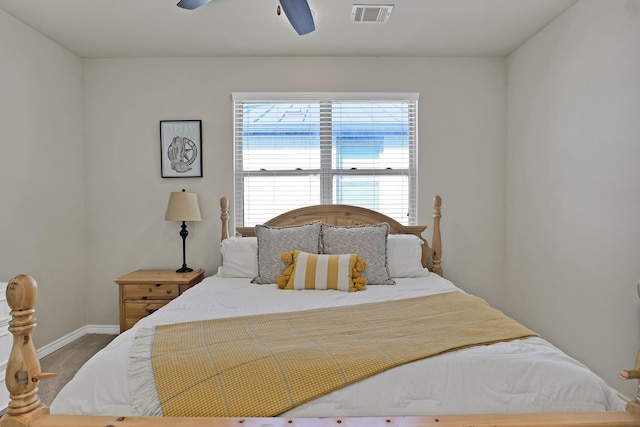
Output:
(66, 361)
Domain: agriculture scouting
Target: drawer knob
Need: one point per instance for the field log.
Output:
(150, 289)
(168, 291)
(150, 310)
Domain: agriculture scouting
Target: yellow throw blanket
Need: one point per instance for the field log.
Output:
(264, 365)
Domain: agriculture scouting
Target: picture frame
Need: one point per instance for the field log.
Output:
(181, 148)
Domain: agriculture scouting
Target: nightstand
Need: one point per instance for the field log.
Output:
(144, 291)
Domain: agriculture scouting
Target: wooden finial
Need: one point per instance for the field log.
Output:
(436, 239)
(627, 374)
(634, 405)
(23, 368)
(224, 216)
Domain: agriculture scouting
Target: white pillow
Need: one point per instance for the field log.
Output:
(239, 257)
(404, 256)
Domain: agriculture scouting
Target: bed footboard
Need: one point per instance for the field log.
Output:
(589, 419)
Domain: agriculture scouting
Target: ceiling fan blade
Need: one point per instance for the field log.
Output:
(299, 14)
(192, 4)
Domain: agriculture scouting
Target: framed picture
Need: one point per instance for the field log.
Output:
(181, 148)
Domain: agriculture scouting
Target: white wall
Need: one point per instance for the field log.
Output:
(461, 155)
(573, 185)
(42, 218)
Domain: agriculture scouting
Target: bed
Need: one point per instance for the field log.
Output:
(507, 378)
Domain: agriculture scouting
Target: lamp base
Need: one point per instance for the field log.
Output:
(184, 270)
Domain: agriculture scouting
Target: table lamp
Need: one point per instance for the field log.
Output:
(183, 207)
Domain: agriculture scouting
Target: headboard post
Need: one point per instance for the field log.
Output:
(436, 241)
(224, 216)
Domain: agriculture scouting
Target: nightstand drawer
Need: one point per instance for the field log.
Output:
(136, 310)
(150, 291)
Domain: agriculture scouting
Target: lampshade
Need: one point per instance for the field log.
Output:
(183, 206)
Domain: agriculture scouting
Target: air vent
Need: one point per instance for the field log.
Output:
(371, 13)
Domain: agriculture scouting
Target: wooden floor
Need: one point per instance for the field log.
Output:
(66, 361)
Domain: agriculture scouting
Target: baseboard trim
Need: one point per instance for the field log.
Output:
(70, 337)
(623, 397)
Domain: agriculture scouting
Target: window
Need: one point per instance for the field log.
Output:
(293, 150)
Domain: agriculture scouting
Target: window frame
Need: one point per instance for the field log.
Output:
(326, 171)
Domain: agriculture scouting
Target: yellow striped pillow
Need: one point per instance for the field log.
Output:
(320, 271)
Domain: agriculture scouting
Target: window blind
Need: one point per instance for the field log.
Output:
(295, 150)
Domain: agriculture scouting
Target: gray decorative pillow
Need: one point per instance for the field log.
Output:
(367, 241)
(274, 241)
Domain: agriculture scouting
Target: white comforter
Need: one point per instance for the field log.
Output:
(527, 375)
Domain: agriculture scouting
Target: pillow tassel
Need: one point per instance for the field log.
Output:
(283, 279)
(358, 281)
(360, 264)
(287, 257)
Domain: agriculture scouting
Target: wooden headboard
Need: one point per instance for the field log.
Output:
(345, 215)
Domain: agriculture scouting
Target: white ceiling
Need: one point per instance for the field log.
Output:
(158, 28)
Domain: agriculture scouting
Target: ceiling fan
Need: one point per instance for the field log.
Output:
(297, 11)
